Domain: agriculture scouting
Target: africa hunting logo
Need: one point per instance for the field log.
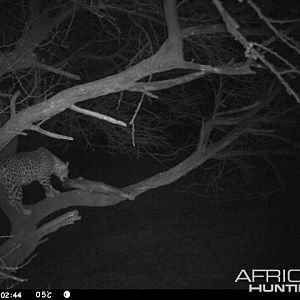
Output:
(271, 280)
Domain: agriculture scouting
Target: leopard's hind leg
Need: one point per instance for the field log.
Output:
(15, 196)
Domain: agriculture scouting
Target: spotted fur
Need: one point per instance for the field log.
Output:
(26, 167)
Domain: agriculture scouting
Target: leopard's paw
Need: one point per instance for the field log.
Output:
(26, 211)
(52, 193)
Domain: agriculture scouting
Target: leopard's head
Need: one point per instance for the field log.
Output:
(62, 170)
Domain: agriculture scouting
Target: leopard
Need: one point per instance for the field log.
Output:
(24, 168)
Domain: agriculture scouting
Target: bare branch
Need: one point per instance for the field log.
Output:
(285, 39)
(232, 26)
(58, 71)
(50, 134)
(97, 115)
(13, 104)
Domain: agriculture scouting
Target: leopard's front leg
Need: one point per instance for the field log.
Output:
(49, 190)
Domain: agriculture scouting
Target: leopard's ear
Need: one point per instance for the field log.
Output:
(67, 164)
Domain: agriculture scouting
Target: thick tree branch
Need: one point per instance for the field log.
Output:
(168, 57)
(163, 60)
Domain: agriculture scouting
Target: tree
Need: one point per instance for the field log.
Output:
(147, 55)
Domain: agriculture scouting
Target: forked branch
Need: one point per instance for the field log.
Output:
(27, 233)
